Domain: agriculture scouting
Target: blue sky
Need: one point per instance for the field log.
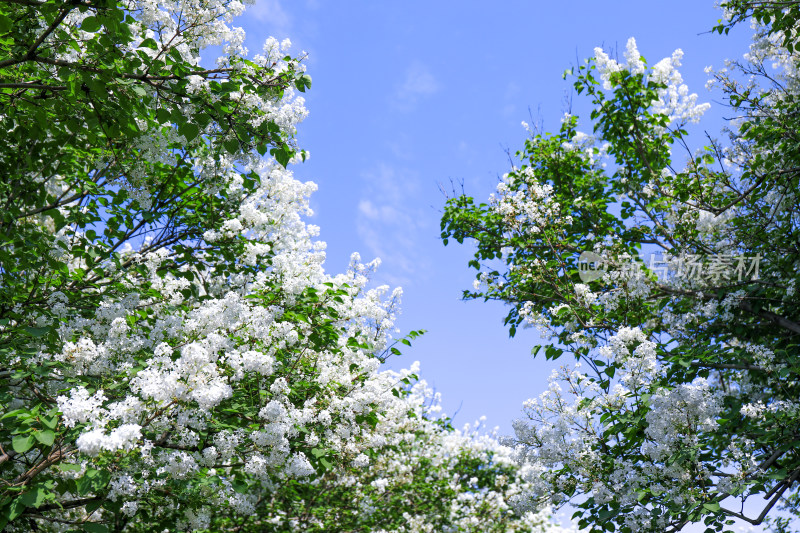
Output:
(409, 95)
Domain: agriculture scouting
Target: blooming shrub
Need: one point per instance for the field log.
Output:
(173, 355)
(683, 403)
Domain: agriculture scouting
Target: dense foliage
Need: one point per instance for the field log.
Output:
(670, 275)
(172, 354)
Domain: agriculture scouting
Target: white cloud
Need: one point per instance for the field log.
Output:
(366, 208)
(272, 13)
(512, 90)
(401, 147)
(419, 82)
(384, 213)
(391, 224)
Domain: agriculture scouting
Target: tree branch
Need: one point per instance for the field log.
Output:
(772, 317)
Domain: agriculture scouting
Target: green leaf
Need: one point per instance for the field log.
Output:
(282, 155)
(162, 115)
(713, 507)
(37, 332)
(5, 24)
(93, 506)
(22, 443)
(16, 508)
(303, 82)
(94, 527)
(605, 514)
(46, 437)
(149, 43)
(90, 24)
(317, 452)
(34, 497)
(231, 145)
(189, 130)
(93, 481)
(240, 486)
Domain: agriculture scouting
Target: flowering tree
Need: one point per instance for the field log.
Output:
(683, 404)
(172, 353)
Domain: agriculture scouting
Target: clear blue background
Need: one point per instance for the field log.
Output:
(408, 96)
